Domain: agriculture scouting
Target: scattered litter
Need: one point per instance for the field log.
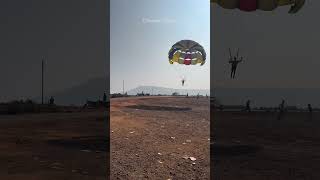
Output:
(160, 162)
(126, 138)
(193, 158)
(184, 143)
(159, 154)
(208, 139)
(188, 141)
(85, 150)
(173, 137)
(131, 132)
(137, 155)
(185, 157)
(193, 163)
(111, 131)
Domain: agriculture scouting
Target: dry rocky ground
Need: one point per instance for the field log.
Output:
(53, 146)
(258, 146)
(160, 138)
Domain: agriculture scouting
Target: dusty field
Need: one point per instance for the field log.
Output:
(257, 146)
(53, 146)
(152, 138)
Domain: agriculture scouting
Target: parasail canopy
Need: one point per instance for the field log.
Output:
(264, 5)
(187, 52)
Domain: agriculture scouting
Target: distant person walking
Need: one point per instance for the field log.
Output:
(309, 108)
(310, 111)
(51, 101)
(248, 108)
(281, 109)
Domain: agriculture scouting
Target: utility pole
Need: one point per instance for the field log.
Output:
(42, 80)
(123, 87)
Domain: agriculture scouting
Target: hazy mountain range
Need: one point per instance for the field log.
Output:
(93, 89)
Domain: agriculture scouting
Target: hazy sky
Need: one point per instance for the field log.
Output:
(139, 48)
(71, 33)
(280, 49)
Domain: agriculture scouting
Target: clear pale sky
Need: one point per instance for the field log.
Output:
(139, 48)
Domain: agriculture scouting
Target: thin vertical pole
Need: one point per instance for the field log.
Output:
(42, 81)
(123, 87)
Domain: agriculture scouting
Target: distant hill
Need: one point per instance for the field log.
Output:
(93, 88)
(167, 91)
(78, 95)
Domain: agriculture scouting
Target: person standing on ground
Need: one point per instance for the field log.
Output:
(51, 101)
(281, 109)
(310, 111)
(309, 108)
(248, 108)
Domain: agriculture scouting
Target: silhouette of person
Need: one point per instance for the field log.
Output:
(310, 111)
(281, 109)
(310, 108)
(182, 81)
(234, 64)
(248, 108)
(51, 101)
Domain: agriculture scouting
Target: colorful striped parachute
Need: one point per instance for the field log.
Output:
(187, 52)
(265, 5)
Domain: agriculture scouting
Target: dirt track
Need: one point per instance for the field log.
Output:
(150, 136)
(53, 146)
(257, 146)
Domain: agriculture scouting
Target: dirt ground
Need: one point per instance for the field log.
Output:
(257, 146)
(53, 146)
(154, 138)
